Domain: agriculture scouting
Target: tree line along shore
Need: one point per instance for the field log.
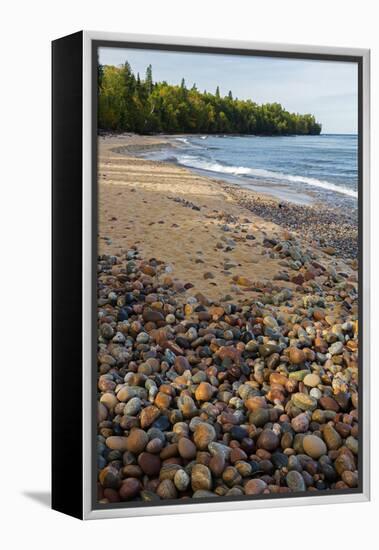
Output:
(127, 102)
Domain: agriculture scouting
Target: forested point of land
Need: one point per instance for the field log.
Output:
(126, 102)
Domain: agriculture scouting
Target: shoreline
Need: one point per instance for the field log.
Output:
(206, 231)
(336, 228)
(309, 194)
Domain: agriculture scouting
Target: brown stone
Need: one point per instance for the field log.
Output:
(344, 462)
(286, 441)
(278, 378)
(204, 391)
(167, 490)
(111, 495)
(259, 417)
(181, 364)
(186, 448)
(149, 463)
(329, 404)
(296, 356)
(217, 464)
(109, 477)
(154, 446)
(298, 279)
(275, 395)
(343, 400)
(268, 440)
(230, 352)
(148, 270)
(117, 443)
(201, 478)
(162, 400)
(332, 438)
(168, 471)
(216, 312)
(159, 335)
(314, 446)
(255, 403)
(187, 405)
(102, 412)
(148, 415)
(343, 429)
(204, 434)
(310, 274)
(172, 346)
(231, 476)
(255, 487)
(237, 454)
(132, 470)
(129, 489)
(320, 345)
(319, 314)
(152, 315)
(350, 478)
(243, 281)
(300, 423)
(137, 441)
(169, 451)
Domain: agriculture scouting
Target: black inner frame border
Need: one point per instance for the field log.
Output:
(95, 45)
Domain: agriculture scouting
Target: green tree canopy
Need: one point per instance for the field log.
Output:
(129, 103)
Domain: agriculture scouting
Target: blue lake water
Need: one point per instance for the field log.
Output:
(297, 168)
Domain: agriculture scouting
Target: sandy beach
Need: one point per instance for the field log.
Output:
(227, 337)
(206, 231)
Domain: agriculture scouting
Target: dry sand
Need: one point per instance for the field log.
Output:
(136, 207)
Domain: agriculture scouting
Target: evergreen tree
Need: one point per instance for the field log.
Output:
(128, 103)
(100, 75)
(149, 79)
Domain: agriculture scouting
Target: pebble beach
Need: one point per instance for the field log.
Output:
(227, 337)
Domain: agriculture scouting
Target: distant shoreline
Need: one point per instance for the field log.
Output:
(102, 132)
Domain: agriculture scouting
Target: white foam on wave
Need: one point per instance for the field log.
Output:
(196, 162)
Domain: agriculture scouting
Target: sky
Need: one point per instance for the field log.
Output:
(326, 89)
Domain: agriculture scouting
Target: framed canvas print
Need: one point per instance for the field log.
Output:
(210, 275)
